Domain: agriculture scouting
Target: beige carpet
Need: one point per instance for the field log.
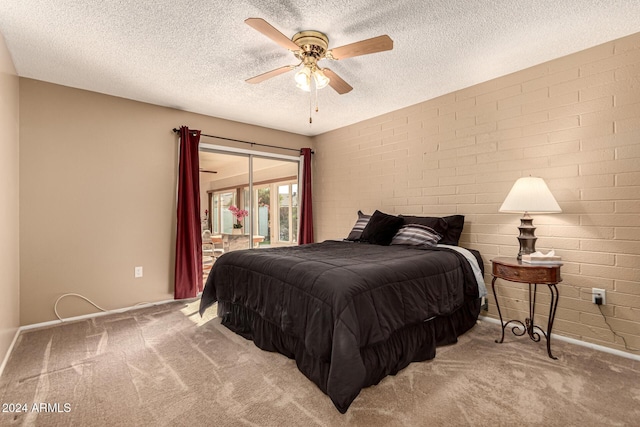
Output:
(164, 366)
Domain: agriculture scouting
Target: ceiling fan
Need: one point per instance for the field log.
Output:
(310, 47)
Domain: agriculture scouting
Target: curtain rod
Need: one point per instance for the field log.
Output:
(176, 130)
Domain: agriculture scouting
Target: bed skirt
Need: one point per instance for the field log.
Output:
(413, 343)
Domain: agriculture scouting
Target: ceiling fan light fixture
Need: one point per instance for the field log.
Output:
(321, 80)
(303, 78)
(306, 73)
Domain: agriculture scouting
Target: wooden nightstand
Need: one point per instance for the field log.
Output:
(513, 270)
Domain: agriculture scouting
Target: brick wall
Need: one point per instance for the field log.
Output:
(574, 121)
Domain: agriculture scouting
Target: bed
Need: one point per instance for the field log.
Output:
(348, 312)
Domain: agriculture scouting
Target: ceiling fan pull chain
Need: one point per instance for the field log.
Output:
(310, 107)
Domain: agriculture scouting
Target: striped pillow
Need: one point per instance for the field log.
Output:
(416, 235)
(361, 223)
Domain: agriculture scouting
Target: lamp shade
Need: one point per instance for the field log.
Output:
(530, 194)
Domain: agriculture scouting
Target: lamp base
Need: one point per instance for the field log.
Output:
(527, 237)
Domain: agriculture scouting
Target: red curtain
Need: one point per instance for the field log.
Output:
(188, 273)
(305, 235)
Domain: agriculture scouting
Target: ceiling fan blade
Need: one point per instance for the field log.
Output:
(336, 82)
(264, 76)
(268, 30)
(364, 47)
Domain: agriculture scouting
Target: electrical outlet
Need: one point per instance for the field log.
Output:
(137, 272)
(596, 292)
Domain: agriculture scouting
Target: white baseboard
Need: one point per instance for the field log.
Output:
(579, 342)
(91, 315)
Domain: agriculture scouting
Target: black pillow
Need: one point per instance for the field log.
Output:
(455, 223)
(450, 227)
(361, 223)
(381, 228)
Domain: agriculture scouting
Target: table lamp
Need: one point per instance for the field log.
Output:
(529, 195)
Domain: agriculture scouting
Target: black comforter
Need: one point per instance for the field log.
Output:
(348, 313)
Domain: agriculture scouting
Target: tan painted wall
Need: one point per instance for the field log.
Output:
(97, 196)
(9, 206)
(574, 121)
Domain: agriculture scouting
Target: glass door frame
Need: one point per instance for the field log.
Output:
(251, 154)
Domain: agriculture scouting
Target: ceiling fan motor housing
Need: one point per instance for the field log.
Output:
(313, 45)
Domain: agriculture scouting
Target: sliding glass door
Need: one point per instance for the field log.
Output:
(262, 185)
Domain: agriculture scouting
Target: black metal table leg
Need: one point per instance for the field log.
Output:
(529, 327)
(495, 297)
(553, 305)
(530, 323)
(518, 324)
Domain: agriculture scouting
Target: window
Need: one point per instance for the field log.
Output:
(288, 213)
(262, 208)
(275, 218)
(221, 218)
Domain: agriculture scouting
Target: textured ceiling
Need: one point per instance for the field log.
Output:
(195, 55)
